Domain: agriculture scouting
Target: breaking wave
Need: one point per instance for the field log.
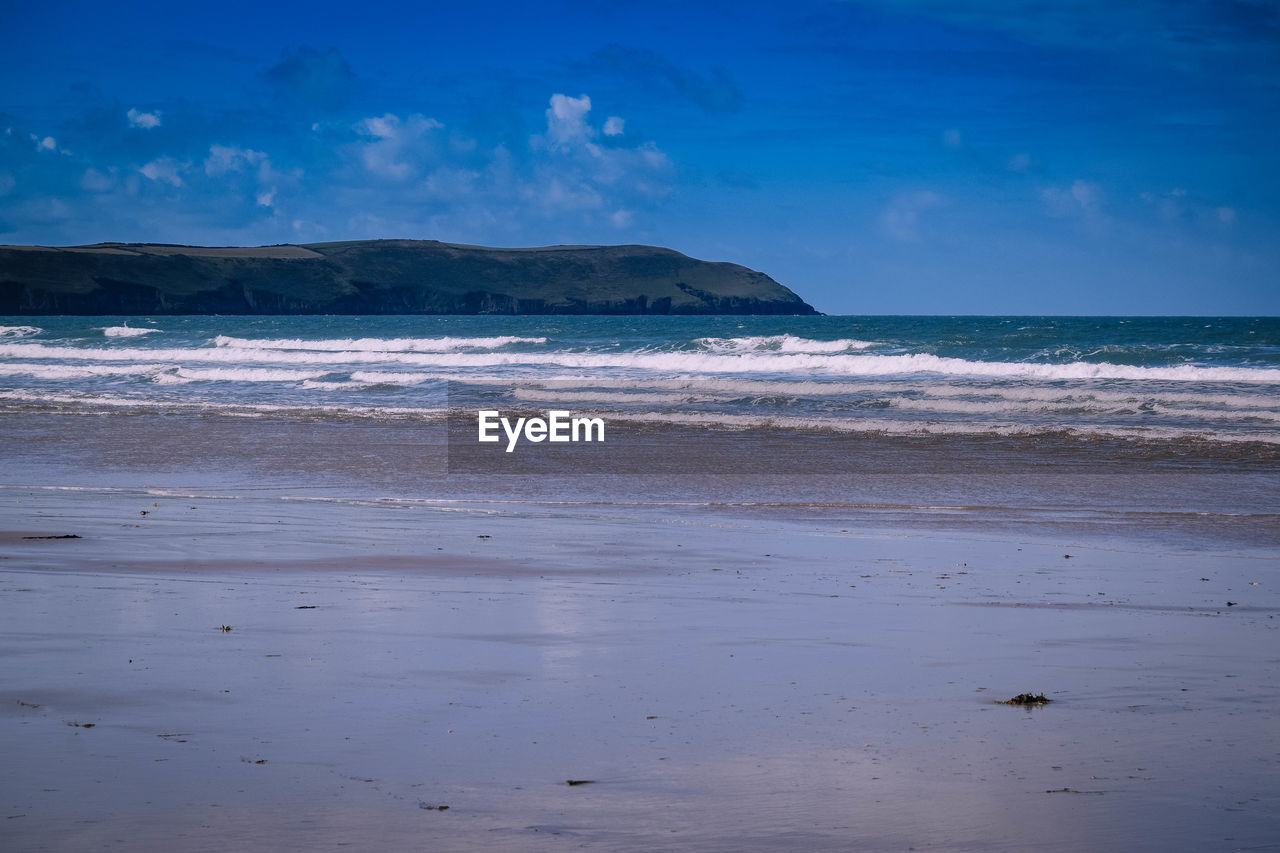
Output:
(376, 345)
(781, 343)
(687, 363)
(126, 331)
(19, 331)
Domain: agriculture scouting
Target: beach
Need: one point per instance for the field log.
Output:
(725, 677)
(281, 627)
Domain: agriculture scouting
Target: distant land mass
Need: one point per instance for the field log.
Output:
(379, 277)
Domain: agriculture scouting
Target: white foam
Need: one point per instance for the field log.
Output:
(643, 398)
(1028, 391)
(79, 371)
(883, 426)
(370, 377)
(781, 343)
(1074, 408)
(688, 364)
(126, 332)
(362, 379)
(1021, 407)
(672, 363)
(19, 331)
(89, 402)
(235, 374)
(375, 344)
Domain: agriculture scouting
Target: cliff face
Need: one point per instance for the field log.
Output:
(380, 277)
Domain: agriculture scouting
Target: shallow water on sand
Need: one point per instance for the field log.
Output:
(727, 677)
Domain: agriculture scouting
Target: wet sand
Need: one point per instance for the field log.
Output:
(726, 679)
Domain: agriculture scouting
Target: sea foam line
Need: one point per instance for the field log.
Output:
(674, 362)
(89, 403)
(782, 343)
(445, 344)
(964, 388)
(940, 405)
(882, 426)
(126, 331)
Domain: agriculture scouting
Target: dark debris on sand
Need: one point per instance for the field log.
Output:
(1027, 699)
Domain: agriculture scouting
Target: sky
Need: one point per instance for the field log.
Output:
(912, 156)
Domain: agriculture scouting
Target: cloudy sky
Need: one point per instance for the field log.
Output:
(913, 156)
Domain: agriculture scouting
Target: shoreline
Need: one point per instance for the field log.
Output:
(737, 661)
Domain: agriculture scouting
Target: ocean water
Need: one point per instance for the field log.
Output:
(1213, 382)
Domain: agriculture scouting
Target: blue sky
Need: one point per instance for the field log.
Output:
(915, 156)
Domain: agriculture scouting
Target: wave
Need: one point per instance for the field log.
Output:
(644, 398)
(86, 402)
(19, 331)
(781, 343)
(361, 380)
(678, 363)
(124, 404)
(980, 389)
(1074, 408)
(80, 371)
(161, 374)
(382, 378)
(941, 405)
(126, 332)
(880, 426)
(375, 344)
(173, 374)
(183, 375)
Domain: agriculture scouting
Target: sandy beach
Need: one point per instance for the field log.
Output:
(719, 677)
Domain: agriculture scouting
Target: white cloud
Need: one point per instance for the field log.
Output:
(576, 173)
(146, 121)
(48, 143)
(399, 146)
(223, 159)
(901, 219)
(267, 198)
(567, 120)
(165, 170)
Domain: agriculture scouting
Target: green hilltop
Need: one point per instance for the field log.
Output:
(379, 277)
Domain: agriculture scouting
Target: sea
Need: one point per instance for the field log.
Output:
(984, 415)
